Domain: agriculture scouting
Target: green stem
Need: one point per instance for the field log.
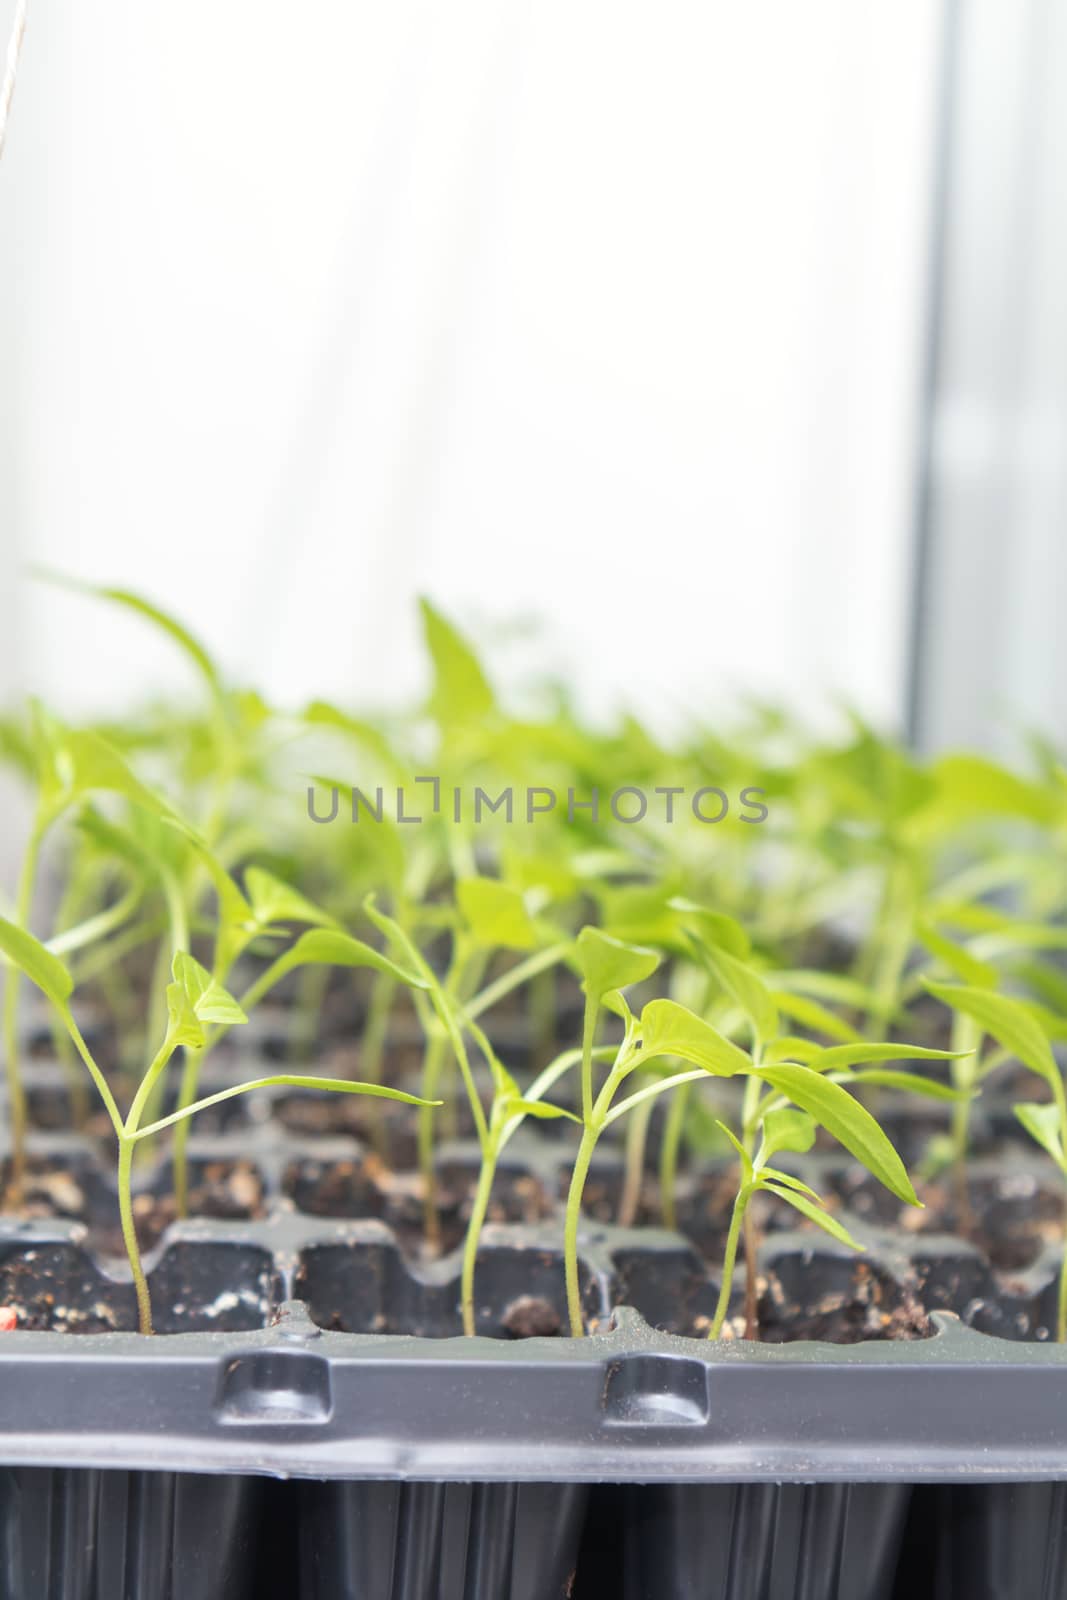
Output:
(474, 1230)
(432, 1064)
(966, 1035)
(372, 1052)
(125, 1167)
(190, 1081)
(750, 1109)
(540, 962)
(455, 1035)
(729, 1260)
(94, 1071)
(105, 957)
(76, 1085)
(590, 1134)
(93, 929)
(146, 1086)
(175, 937)
(748, 1232)
(129, 1234)
(636, 1144)
(150, 1091)
(668, 1156)
(589, 1019)
(468, 967)
(543, 1014)
(894, 943)
(312, 985)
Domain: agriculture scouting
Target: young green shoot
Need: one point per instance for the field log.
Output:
(490, 916)
(195, 1003)
(71, 766)
(509, 1107)
(1020, 1031)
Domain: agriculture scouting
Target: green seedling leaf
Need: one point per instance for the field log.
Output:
(209, 1000)
(496, 914)
(788, 1181)
(537, 1108)
(850, 1123)
(746, 988)
(284, 1080)
(40, 965)
(606, 963)
(789, 1047)
(971, 786)
(591, 865)
(461, 691)
(505, 1089)
(237, 925)
(329, 947)
(819, 1018)
(649, 914)
(97, 927)
(1042, 1123)
(832, 986)
(871, 778)
(80, 763)
(112, 840)
(1048, 984)
(670, 1029)
(880, 1077)
(541, 871)
(190, 646)
(16, 747)
(974, 916)
(955, 957)
(786, 1129)
(745, 1158)
(54, 767)
(837, 1057)
(273, 901)
(1052, 1023)
(715, 927)
(1009, 1021)
(320, 714)
(814, 1213)
(640, 913)
(184, 1024)
(615, 1002)
(388, 926)
(649, 1092)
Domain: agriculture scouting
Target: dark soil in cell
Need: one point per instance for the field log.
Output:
(73, 1187)
(1011, 1212)
(305, 1174)
(362, 1185)
(53, 1285)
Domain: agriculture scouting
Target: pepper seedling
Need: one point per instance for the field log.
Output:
(666, 1029)
(509, 1108)
(72, 765)
(195, 1003)
(1018, 1029)
(818, 1087)
(489, 916)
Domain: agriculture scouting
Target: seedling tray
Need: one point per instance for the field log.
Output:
(746, 1471)
(309, 1424)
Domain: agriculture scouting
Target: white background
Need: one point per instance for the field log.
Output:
(607, 315)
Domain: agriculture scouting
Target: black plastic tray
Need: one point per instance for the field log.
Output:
(754, 1472)
(637, 1463)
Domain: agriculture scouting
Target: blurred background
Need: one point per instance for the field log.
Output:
(691, 351)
